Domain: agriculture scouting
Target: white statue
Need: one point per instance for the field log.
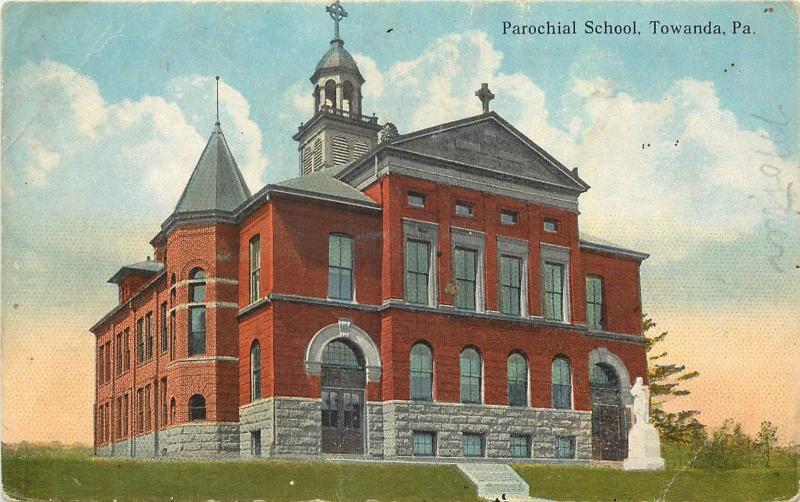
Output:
(641, 402)
(644, 446)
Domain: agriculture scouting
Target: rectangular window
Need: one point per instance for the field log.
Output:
(255, 268)
(565, 446)
(510, 284)
(140, 406)
(108, 361)
(255, 443)
(465, 263)
(465, 209)
(473, 445)
(172, 334)
(140, 340)
(118, 353)
(508, 218)
(352, 410)
(125, 405)
(554, 291)
(418, 263)
(340, 267)
(550, 225)
(520, 446)
(197, 331)
(162, 316)
(100, 376)
(424, 444)
(148, 327)
(118, 425)
(330, 409)
(164, 401)
(594, 302)
(126, 339)
(148, 414)
(416, 199)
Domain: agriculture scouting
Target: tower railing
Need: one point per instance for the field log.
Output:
(327, 109)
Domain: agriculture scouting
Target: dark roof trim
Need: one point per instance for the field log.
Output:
(127, 302)
(265, 194)
(604, 248)
(127, 270)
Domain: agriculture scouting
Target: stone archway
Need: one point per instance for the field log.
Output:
(609, 383)
(354, 335)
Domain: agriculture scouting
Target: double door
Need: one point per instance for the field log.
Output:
(342, 406)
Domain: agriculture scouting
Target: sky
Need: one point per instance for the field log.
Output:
(688, 141)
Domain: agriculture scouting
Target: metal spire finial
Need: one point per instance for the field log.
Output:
(337, 13)
(217, 100)
(485, 95)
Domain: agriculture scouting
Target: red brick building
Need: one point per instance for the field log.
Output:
(418, 295)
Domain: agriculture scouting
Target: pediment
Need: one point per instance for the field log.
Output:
(491, 143)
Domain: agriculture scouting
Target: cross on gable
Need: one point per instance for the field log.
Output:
(485, 95)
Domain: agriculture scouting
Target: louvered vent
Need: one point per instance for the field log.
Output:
(318, 154)
(341, 151)
(359, 150)
(308, 160)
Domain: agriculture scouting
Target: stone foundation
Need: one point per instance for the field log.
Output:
(449, 421)
(290, 428)
(193, 440)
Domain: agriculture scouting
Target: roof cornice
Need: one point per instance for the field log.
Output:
(617, 251)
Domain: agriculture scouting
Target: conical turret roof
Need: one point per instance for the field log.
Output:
(216, 183)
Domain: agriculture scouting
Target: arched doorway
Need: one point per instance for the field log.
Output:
(342, 379)
(609, 419)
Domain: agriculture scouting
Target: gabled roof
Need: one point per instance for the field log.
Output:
(488, 141)
(148, 267)
(216, 184)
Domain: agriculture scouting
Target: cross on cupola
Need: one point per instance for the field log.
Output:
(337, 13)
(485, 95)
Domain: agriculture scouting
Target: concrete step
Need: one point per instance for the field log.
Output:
(495, 480)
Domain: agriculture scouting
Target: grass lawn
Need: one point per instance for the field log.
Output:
(587, 483)
(602, 483)
(73, 474)
(41, 474)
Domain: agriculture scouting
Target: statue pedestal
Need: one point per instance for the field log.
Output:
(644, 449)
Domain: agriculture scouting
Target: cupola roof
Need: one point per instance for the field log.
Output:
(336, 61)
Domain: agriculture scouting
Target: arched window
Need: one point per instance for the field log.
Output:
(197, 407)
(603, 376)
(562, 383)
(517, 380)
(421, 373)
(470, 376)
(255, 371)
(348, 97)
(339, 355)
(197, 285)
(330, 94)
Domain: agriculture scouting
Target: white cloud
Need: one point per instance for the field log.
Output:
(60, 125)
(696, 178)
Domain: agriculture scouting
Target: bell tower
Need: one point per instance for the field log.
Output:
(337, 133)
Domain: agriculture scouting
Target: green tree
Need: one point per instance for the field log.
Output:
(767, 438)
(665, 380)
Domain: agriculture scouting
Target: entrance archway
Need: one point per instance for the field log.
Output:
(342, 380)
(609, 417)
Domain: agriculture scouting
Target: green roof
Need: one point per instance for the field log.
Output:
(324, 183)
(216, 184)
